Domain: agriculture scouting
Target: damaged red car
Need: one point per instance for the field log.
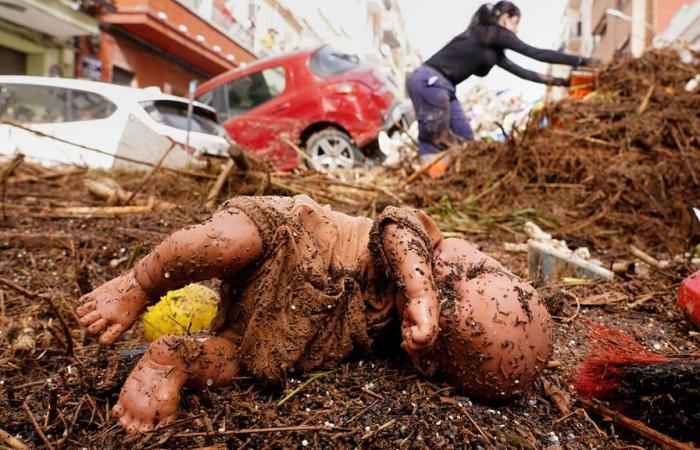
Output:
(324, 101)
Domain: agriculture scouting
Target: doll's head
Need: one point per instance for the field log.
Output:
(495, 333)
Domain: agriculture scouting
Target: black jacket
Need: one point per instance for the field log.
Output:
(477, 50)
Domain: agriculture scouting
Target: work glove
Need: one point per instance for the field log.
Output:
(590, 62)
(556, 81)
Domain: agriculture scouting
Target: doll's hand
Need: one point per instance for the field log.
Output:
(420, 325)
(112, 308)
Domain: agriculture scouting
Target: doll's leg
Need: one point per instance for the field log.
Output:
(217, 248)
(151, 393)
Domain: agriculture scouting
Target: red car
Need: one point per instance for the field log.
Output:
(323, 100)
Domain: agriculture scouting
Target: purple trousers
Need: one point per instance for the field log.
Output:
(437, 108)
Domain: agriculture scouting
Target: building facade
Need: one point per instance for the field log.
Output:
(37, 37)
(163, 43)
(607, 28)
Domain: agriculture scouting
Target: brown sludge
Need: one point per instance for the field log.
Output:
(602, 174)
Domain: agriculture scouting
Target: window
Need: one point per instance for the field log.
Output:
(251, 91)
(29, 103)
(89, 106)
(328, 62)
(121, 76)
(174, 114)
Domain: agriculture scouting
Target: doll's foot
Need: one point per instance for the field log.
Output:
(112, 308)
(151, 394)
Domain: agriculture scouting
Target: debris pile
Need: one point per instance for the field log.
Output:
(621, 166)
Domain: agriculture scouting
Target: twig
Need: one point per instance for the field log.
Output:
(378, 430)
(7, 438)
(372, 393)
(426, 167)
(220, 182)
(36, 425)
(66, 331)
(150, 174)
(634, 425)
(292, 429)
(484, 434)
(578, 309)
(102, 211)
(301, 153)
(311, 379)
(16, 161)
(653, 262)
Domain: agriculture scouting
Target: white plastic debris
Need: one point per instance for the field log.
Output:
(693, 84)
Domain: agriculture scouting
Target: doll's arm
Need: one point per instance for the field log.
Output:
(419, 306)
(217, 248)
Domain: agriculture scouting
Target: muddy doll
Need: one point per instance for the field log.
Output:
(304, 286)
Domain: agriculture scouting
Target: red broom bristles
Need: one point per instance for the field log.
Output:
(611, 355)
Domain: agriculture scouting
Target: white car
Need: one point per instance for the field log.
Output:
(103, 125)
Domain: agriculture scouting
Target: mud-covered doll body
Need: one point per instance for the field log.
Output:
(303, 287)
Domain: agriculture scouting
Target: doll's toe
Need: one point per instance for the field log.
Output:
(113, 333)
(89, 318)
(98, 326)
(84, 308)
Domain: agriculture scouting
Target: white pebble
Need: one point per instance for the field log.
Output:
(305, 443)
(294, 308)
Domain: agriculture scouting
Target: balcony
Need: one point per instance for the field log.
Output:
(55, 18)
(181, 31)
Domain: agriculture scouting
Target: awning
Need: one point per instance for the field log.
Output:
(52, 17)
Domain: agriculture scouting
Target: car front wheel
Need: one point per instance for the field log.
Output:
(332, 149)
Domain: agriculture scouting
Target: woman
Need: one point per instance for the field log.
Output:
(474, 52)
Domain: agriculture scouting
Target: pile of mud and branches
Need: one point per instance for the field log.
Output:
(623, 165)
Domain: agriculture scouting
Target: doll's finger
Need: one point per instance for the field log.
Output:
(125, 420)
(113, 333)
(98, 326)
(86, 307)
(118, 410)
(90, 318)
(133, 427)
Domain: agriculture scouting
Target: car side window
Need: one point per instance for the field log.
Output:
(251, 91)
(29, 103)
(90, 106)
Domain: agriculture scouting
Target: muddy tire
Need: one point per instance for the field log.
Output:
(330, 149)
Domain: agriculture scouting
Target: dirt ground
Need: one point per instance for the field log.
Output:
(606, 173)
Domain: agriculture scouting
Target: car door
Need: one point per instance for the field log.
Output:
(263, 115)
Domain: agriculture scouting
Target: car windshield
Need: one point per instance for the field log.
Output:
(329, 61)
(174, 114)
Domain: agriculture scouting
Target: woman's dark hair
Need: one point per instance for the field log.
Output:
(490, 13)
